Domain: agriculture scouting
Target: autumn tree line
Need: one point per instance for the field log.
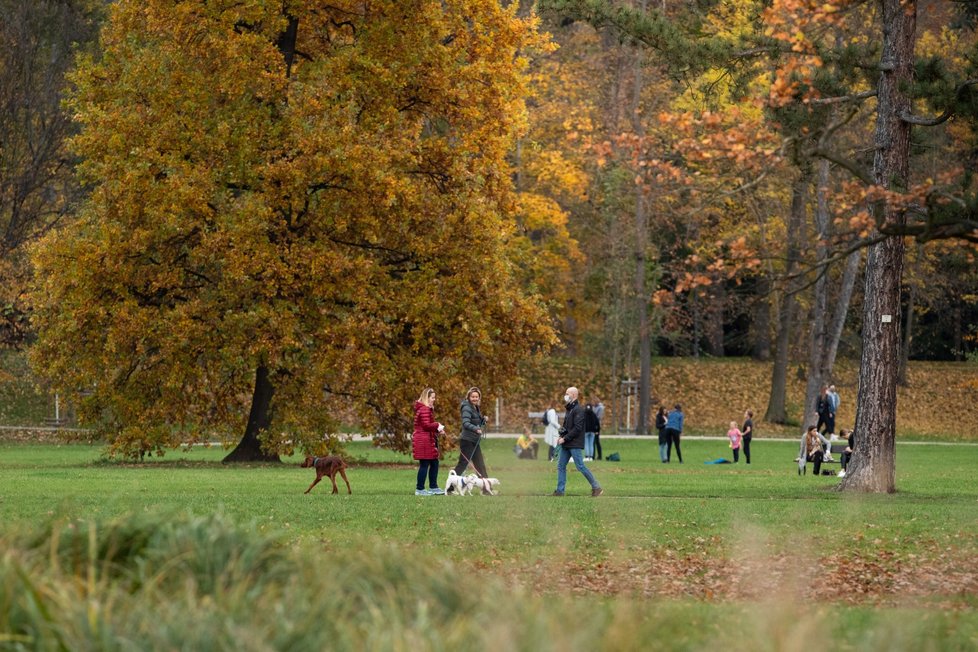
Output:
(229, 219)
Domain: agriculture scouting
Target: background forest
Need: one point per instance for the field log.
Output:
(612, 182)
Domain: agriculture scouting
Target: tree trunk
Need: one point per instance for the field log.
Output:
(641, 266)
(249, 448)
(842, 308)
(907, 334)
(714, 320)
(777, 410)
(873, 466)
(817, 373)
(761, 320)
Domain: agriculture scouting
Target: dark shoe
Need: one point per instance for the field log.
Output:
(596, 492)
(556, 493)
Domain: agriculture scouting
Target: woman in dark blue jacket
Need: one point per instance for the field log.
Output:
(674, 430)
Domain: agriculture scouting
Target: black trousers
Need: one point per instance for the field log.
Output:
(674, 436)
(844, 459)
(470, 451)
(736, 453)
(746, 445)
(828, 420)
(597, 446)
(816, 459)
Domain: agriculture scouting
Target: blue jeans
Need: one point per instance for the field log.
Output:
(589, 445)
(565, 455)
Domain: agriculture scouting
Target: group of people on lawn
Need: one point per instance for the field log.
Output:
(569, 444)
(578, 437)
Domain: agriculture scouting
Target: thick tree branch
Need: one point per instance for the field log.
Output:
(853, 169)
(933, 122)
(857, 97)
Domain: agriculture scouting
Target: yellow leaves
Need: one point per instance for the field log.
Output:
(330, 224)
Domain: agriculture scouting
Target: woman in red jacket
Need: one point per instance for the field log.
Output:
(424, 443)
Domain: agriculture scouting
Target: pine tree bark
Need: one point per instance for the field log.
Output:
(641, 265)
(873, 465)
(818, 336)
(777, 409)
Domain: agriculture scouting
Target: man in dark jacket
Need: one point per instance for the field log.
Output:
(571, 441)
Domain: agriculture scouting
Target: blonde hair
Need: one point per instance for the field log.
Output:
(425, 393)
(471, 391)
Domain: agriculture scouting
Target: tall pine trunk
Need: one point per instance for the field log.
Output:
(777, 408)
(818, 336)
(641, 266)
(874, 462)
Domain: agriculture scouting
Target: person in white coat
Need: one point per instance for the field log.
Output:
(551, 431)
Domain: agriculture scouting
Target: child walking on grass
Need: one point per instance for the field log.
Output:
(735, 436)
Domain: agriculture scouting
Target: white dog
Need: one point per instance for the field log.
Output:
(457, 485)
(487, 485)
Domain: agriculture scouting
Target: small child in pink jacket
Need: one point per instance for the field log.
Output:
(735, 437)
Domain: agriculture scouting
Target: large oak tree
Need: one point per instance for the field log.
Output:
(295, 208)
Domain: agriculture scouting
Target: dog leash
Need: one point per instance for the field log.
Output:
(464, 457)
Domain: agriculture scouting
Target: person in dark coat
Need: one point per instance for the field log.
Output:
(424, 443)
(826, 417)
(748, 432)
(473, 429)
(660, 425)
(571, 441)
(846, 456)
(591, 428)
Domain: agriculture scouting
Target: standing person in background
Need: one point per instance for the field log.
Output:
(424, 443)
(674, 430)
(734, 436)
(748, 433)
(590, 428)
(660, 425)
(833, 397)
(823, 408)
(571, 441)
(473, 424)
(551, 431)
(598, 412)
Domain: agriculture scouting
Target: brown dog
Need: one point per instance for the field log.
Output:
(327, 466)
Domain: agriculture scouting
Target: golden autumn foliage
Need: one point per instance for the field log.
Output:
(343, 222)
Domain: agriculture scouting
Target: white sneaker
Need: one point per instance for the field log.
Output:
(840, 474)
(436, 492)
(422, 492)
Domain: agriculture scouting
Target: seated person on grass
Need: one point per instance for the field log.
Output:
(526, 446)
(847, 453)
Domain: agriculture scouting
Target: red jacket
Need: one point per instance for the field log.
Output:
(424, 442)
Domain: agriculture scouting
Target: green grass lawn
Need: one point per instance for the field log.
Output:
(697, 540)
(647, 504)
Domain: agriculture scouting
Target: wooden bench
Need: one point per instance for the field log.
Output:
(837, 448)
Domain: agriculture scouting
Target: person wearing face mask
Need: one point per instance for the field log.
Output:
(571, 441)
(473, 428)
